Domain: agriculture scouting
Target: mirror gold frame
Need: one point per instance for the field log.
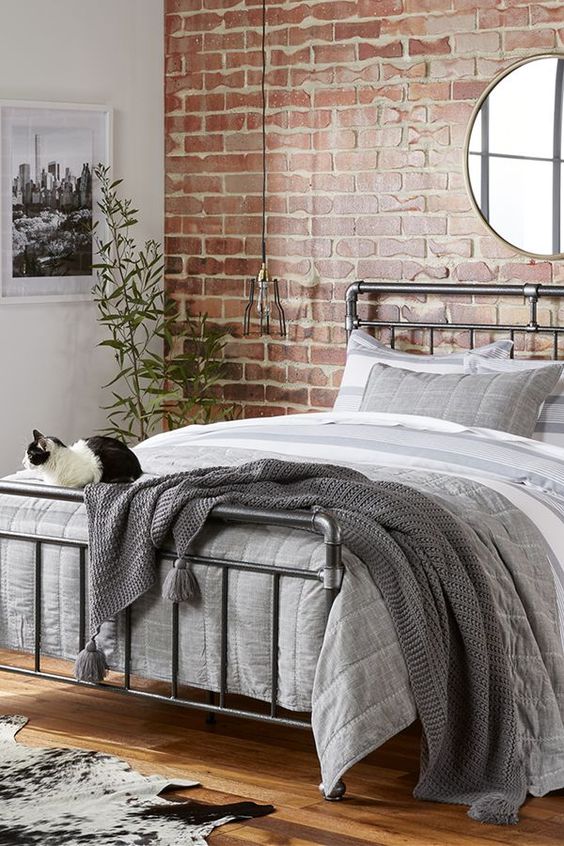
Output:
(473, 116)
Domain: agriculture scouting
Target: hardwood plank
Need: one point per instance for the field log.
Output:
(237, 759)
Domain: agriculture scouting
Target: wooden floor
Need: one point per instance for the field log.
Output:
(239, 759)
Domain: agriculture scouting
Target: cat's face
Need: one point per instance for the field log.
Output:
(40, 450)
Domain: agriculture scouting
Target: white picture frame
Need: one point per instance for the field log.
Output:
(48, 197)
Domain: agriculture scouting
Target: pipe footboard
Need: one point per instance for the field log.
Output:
(316, 520)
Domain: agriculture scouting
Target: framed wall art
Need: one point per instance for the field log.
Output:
(48, 202)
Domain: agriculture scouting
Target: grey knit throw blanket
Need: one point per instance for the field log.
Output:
(427, 564)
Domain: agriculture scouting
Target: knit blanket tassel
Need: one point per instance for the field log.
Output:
(90, 665)
(180, 584)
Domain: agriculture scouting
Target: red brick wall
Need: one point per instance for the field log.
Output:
(368, 106)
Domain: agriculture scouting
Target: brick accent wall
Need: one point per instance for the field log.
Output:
(368, 106)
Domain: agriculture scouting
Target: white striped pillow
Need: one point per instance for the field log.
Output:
(363, 351)
(550, 422)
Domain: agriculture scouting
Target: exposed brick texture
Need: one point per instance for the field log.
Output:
(368, 103)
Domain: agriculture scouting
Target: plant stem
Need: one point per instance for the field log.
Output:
(130, 353)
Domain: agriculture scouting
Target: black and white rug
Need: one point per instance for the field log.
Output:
(70, 797)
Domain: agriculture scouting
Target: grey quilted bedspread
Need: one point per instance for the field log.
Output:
(361, 685)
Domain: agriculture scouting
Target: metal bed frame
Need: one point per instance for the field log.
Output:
(321, 522)
(531, 293)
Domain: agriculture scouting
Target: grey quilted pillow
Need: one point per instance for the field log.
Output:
(510, 402)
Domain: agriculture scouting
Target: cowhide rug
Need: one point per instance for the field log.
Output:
(69, 797)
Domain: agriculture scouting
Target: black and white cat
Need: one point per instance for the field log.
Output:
(96, 459)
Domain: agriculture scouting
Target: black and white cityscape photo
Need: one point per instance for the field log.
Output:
(51, 201)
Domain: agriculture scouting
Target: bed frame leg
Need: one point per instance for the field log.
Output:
(336, 794)
(210, 716)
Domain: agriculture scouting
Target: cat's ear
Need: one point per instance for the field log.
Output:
(40, 440)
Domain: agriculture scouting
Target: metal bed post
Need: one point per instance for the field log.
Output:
(37, 606)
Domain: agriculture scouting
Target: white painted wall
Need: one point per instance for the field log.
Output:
(83, 51)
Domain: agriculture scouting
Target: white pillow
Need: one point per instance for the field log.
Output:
(550, 422)
(363, 351)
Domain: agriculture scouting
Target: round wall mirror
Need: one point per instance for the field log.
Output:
(514, 157)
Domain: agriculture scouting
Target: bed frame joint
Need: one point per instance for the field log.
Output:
(531, 293)
(351, 299)
(326, 524)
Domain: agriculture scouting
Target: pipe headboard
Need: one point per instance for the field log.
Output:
(530, 293)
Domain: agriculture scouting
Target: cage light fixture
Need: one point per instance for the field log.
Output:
(268, 303)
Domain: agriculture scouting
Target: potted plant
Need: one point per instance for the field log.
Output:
(165, 369)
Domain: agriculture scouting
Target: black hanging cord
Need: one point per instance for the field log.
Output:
(263, 92)
(262, 279)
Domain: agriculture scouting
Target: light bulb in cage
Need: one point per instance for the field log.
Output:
(265, 301)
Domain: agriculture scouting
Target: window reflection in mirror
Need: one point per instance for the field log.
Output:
(514, 157)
